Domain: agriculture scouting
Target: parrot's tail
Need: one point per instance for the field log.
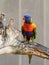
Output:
(30, 57)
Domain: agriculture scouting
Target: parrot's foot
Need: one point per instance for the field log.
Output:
(25, 38)
(31, 39)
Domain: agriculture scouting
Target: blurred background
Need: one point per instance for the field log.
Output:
(39, 10)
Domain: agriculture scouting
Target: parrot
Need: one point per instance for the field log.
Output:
(28, 29)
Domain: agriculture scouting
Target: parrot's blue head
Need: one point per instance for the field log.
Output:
(27, 18)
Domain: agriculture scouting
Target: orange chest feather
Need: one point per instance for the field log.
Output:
(28, 27)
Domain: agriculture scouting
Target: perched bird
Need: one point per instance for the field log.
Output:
(28, 30)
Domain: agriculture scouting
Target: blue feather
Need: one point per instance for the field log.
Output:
(27, 18)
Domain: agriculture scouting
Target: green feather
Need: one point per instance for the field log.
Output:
(31, 21)
(35, 33)
(30, 57)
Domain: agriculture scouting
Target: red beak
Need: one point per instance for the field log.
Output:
(23, 18)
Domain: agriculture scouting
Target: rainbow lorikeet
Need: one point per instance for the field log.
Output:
(28, 30)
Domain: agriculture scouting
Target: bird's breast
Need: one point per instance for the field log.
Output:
(28, 27)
